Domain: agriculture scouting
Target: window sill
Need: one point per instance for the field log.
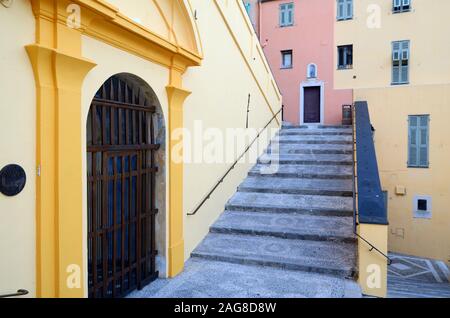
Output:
(344, 19)
(401, 11)
(344, 68)
(418, 167)
(286, 68)
(286, 26)
(399, 84)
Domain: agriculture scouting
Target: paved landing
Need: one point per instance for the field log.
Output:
(413, 277)
(211, 279)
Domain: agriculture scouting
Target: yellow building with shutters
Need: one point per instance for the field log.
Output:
(394, 54)
(94, 95)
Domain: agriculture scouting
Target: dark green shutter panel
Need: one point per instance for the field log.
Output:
(349, 9)
(282, 15)
(423, 141)
(404, 74)
(340, 13)
(413, 147)
(396, 62)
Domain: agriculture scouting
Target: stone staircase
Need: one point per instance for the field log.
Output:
(298, 218)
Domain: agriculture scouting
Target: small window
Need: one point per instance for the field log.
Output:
(286, 59)
(401, 6)
(400, 62)
(286, 14)
(344, 9)
(312, 71)
(422, 207)
(345, 57)
(418, 144)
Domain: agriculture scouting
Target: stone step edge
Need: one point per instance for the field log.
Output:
(283, 235)
(346, 272)
(321, 192)
(316, 212)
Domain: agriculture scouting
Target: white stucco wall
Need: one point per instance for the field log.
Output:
(17, 146)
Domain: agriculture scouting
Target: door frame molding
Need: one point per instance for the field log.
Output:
(312, 83)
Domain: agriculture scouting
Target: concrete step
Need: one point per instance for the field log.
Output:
(305, 140)
(291, 203)
(297, 186)
(300, 159)
(212, 279)
(305, 171)
(330, 258)
(316, 149)
(292, 126)
(315, 132)
(288, 226)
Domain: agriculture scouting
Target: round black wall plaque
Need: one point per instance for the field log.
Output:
(12, 180)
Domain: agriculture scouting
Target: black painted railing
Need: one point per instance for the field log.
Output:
(368, 199)
(19, 293)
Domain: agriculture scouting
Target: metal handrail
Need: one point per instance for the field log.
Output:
(20, 292)
(355, 193)
(208, 196)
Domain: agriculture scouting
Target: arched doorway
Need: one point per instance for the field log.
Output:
(122, 190)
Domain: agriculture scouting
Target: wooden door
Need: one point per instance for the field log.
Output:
(311, 113)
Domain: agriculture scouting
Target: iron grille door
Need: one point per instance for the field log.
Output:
(121, 191)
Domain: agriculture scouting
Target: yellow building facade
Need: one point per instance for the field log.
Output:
(183, 57)
(418, 195)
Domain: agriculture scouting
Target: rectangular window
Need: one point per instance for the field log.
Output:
(286, 14)
(399, 6)
(418, 143)
(286, 59)
(345, 57)
(400, 62)
(344, 9)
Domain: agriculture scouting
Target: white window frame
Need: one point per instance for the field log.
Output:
(286, 52)
(418, 142)
(420, 214)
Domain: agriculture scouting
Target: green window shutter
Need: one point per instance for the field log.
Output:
(349, 14)
(423, 141)
(413, 159)
(404, 74)
(340, 9)
(289, 17)
(418, 145)
(282, 15)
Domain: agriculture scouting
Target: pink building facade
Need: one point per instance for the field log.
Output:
(298, 40)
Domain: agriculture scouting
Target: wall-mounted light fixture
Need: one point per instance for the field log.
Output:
(6, 3)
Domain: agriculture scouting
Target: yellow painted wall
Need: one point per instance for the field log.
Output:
(389, 110)
(111, 61)
(166, 18)
(17, 145)
(232, 68)
(372, 265)
(426, 26)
